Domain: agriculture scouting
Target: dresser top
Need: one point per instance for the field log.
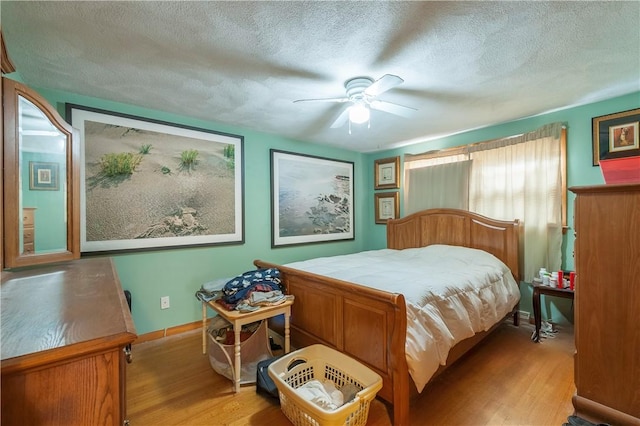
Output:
(72, 307)
(623, 187)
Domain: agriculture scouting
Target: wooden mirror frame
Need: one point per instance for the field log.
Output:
(13, 257)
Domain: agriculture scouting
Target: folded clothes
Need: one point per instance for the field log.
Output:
(246, 292)
(237, 288)
(244, 306)
(226, 305)
(206, 296)
(211, 290)
(258, 299)
(215, 284)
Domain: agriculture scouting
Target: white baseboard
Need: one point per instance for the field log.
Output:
(524, 315)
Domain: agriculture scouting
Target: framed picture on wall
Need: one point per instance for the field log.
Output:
(311, 199)
(386, 206)
(148, 184)
(616, 135)
(44, 176)
(623, 137)
(387, 173)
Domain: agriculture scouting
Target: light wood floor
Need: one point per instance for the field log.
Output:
(507, 380)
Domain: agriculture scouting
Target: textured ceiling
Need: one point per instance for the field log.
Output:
(465, 64)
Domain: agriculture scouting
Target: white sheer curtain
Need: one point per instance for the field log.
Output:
(521, 177)
(518, 177)
(452, 179)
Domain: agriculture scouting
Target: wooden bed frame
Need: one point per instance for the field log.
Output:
(370, 325)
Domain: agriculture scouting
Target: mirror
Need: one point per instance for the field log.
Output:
(42, 152)
(41, 217)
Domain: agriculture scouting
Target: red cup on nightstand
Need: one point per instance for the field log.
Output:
(572, 280)
(560, 279)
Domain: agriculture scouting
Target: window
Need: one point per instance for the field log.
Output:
(519, 177)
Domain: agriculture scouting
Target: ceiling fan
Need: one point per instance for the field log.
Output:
(362, 93)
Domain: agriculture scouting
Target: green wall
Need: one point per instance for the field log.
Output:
(178, 273)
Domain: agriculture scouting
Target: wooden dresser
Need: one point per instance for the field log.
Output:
(607, 303)
(28, 232)
(64, 328)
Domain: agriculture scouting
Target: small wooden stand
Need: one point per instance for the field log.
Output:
(239, 319)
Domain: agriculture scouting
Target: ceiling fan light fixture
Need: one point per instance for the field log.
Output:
(359, 113)
(362, 95)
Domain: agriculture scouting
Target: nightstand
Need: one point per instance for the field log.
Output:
(539, 289)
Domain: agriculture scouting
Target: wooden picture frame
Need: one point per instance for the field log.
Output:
(387, 173)
(387, 206)
(311, 199)
(44, 176)
(616, 135)
(183, 186)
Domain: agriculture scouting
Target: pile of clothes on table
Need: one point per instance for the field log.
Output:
(246, 292)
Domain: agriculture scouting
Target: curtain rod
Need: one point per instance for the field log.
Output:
(465, 149)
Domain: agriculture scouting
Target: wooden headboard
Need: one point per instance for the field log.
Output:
(458, 228)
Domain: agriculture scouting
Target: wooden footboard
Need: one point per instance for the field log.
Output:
(367, 324)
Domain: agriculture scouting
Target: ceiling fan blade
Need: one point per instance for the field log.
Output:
(384, 83)
(342, 118)
(323, 100)
(392, 108)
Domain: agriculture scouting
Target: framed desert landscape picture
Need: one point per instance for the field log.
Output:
(149, 184)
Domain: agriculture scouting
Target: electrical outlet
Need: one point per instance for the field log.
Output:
(164, 302)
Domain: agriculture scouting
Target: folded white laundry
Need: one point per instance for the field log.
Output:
(324, 395)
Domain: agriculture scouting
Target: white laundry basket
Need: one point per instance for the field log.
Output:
(319, 362)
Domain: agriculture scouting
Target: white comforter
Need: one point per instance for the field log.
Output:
(451, 293)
